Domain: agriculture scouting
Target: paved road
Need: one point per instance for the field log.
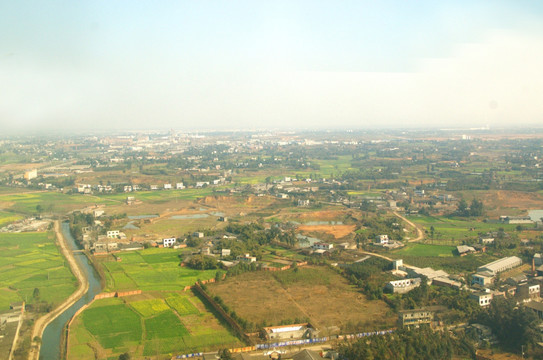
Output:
(41, 323)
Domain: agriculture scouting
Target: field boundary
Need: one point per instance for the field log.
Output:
(223, 313)
(81, 309)
(42, 322)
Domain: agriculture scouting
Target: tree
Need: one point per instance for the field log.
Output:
(476, 208)
(462, 209)
(36, 293)
(224, 354)
(124, 356)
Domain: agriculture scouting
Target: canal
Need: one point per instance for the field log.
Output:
(52, 336)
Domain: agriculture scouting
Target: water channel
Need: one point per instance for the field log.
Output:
(51, 340)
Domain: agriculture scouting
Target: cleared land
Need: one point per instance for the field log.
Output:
(29, 261)
(317, 294)
(150, 269)
(150, 324)
(337, 231)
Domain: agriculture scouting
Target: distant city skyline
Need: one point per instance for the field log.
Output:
(188, 65)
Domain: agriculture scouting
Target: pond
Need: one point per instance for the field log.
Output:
(139, 217)
(189, 216)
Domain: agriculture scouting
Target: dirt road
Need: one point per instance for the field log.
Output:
(420, 233)
(41, 323)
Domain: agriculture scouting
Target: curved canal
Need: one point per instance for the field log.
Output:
(52, 336)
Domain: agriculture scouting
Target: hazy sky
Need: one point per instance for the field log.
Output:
(270, 64)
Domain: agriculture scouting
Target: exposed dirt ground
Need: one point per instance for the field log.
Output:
(498, 200)
(259, 297)
(338, 231)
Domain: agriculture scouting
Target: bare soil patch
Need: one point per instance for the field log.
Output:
(338, 231)
(499, 200)
(316, 293)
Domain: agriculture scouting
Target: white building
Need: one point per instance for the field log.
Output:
(486, 240)
(382, 239)
(113, 234)
(168, 242)
(303, 203)
(516, 219)
(482, 298)
(322, 246)
(32, 174)
(198, 234)
(84, 188)
(179, 186)
(403, 286)
(500, 265)
(98, 212)
(247, 258)
(481, 279)
(167, 186)
(225, 252)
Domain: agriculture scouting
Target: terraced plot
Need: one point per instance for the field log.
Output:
(31, 261)
(151, 269)
(150, 324)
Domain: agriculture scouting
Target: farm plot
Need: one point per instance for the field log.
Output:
(50, 201)
(7, 218)
(151, 269)
(162, 323)
(440, 257)
(425, 250)
(452, 230)
(30, 261)
(314, 294)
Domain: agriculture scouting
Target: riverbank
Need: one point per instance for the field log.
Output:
(41, 323)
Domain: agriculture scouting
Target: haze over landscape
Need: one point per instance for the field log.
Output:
(79, 66)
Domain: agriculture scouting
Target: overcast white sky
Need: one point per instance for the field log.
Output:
(184, 65)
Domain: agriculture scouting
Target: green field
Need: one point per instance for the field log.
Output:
(60, 202)
(49, 201)
(113, 325)
(29, 261)
(162, 324)
(447, 229)
(151, 269)
(426, 250)
(161, 196)
(7, 218)
(334, 166)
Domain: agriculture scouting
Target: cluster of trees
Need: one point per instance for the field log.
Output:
(369, 276)
(78, 221)
(203, 262)
(514, 326)
(474, 209)
(242, 267)
(254, 235)
(421, 343)
(246, 325)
